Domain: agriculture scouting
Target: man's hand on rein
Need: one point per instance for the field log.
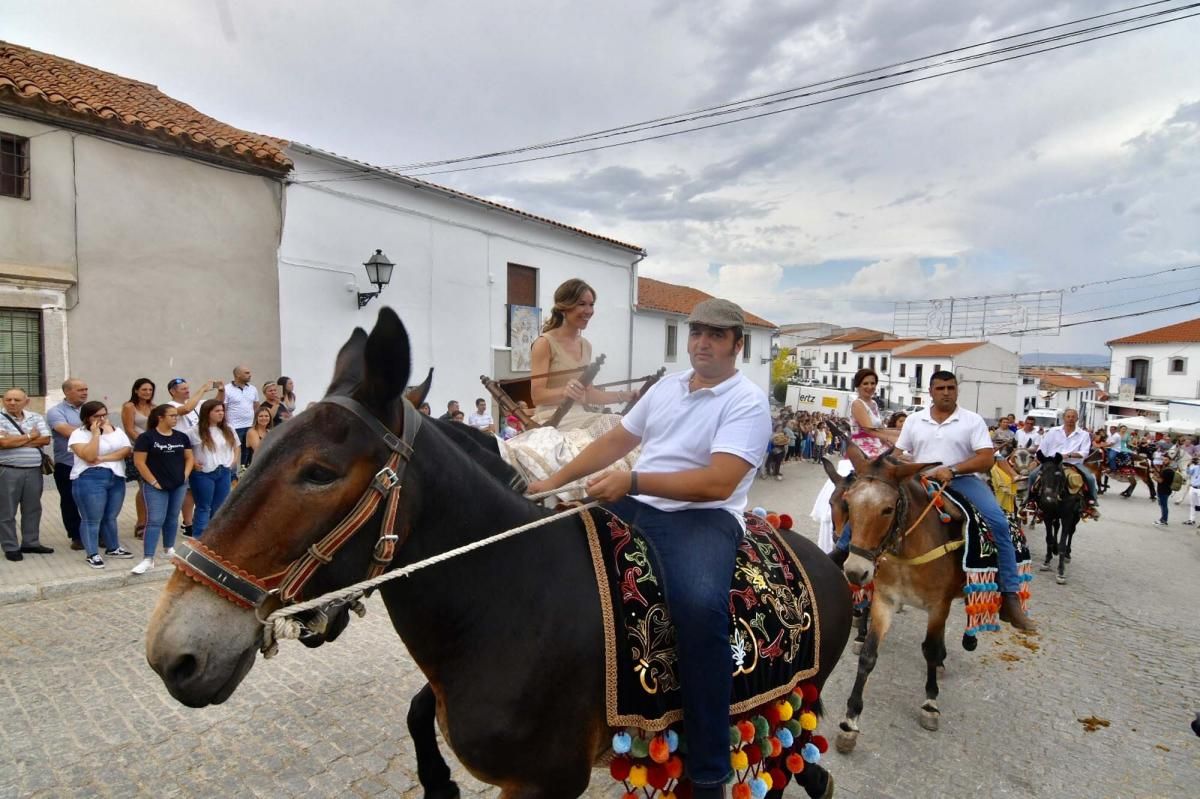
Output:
(609, 487)
(941, 474)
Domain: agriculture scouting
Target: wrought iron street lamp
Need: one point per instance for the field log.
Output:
(379, 272)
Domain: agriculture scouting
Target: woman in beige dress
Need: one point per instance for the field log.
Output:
(134, 414)
(562, 346)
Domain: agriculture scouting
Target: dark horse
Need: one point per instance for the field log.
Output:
(1061, 511)
(509, 638)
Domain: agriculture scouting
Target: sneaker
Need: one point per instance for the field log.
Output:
(1189, 523)
(187, 531)
(170, 553)
(146, 565)
(779, 477)
(119, 552)
(1159, 523)
(95, 561)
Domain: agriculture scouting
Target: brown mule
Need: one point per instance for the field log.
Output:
(909, 554)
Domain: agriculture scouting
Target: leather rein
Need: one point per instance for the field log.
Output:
(893, 541)
(242, 588)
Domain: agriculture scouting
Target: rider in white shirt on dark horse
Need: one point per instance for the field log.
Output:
(1073, 443)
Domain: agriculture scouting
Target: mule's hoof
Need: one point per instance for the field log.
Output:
(845, 741)
(929, 719)
(447, 791)
(856, 647)
(1061, 579)
(969, 642)
(1067, 557)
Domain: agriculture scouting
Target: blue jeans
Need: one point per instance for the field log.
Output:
(209, 490)
(1163, 496)
(99, 494)
(696, 551)
(162, 516)
(1112, 459)
(977, 492)
(247, 453)
(806, 448)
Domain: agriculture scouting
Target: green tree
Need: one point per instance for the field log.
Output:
(782, 368)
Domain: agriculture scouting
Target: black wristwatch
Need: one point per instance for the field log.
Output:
(633, 488)
(953, 472)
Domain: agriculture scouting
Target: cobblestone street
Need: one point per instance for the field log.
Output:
(81, 713)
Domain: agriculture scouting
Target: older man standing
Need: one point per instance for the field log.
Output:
(703, 434)
(241, 404)
(22, 434)
(63, 420)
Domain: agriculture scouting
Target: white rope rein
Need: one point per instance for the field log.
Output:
(281, 625)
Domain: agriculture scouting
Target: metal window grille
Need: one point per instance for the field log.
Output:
(21, 362)
(746, 349)
(14, 166)
(672, 341)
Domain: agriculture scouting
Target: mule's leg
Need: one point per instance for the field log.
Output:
(934, 649)
(1051, 543)
(861, 623)
(881, 620)
(816, 781)
(432, 770)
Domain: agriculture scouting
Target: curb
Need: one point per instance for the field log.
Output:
(54, 589)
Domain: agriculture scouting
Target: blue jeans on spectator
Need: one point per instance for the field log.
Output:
(162, 516)
(696, 551)
(1163, 496)
(247, 454)
(209, 490)
(806, 448)
(99, 494)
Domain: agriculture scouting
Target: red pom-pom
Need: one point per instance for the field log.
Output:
(656, 776)
(741, 791)
(619, 768)
(659, 751)
(629, 795)
(674, 767)
(753, 754)
(794, 763)
(810, 693)
(747, 731)
(776, 747)
(773, 520)
(785, 522)
(778, 779)
(821, 743)
(771, 714)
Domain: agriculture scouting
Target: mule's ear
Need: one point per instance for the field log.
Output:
(831, 472)
(348, 368)
(1058, 457)
(858, 459)
(1040, 457)
(387, 360)
(901, 470)
(417, 394)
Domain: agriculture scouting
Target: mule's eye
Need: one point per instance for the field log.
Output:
(887, 511)
(318, 475)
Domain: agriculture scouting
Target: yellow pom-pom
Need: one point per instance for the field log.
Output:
(785, 711)
(669, 795)
(808, 721)
(739, 761)
(765, 776)
(637, 776)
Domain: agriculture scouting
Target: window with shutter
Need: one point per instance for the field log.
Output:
(21, 364)
(14, 166)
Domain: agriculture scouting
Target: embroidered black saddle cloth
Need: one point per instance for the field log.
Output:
(774, 635)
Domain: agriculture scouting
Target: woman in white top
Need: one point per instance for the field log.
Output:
(98, 481)
(866, 424)
(216, 453)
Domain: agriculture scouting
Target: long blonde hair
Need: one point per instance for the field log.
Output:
(566, 297)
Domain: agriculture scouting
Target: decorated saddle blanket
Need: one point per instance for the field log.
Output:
(980, 560)
(774, 635)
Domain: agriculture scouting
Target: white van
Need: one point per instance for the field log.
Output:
(1044, 417)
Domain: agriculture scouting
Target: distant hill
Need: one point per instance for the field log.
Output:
(1064, 359)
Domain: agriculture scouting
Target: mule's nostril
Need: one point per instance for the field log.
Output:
(181, 669)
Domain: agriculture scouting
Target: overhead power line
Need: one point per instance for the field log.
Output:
(1009, 53)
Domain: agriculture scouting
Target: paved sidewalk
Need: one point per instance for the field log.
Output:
(64, 572)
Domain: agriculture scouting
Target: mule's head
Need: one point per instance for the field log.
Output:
(876, 503)
(306, 478)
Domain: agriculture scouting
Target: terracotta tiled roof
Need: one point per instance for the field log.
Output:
(1171, 334)
(887, 345)
(655, 295)
(128, 108)
(421, 184)
(1059, 380)
(857, 335)
(939, 350)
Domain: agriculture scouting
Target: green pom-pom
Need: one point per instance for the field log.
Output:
(735, 737)
(793, 726)
(761, 728)
(640, 747)
(764, 745)
(795, 702)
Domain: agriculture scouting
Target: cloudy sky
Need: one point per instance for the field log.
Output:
(1049, 172)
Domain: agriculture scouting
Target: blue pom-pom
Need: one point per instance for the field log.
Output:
(785, 737)
(760, 512)
(672, 740)
(758, 788)
(622, 743)
(811, 753)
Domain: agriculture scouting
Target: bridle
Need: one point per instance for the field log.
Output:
(246, 590)
(893, 540)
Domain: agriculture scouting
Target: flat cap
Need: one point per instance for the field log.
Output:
(718, 313)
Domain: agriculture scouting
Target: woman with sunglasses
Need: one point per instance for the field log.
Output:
(98, 481)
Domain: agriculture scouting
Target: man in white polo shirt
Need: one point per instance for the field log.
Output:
(703, 434)
(958, 439)
(1027, 434)
(241, 404)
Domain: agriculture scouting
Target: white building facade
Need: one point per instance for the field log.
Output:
(460, 262)
(989, 379)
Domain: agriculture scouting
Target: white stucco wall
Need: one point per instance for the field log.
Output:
(449, 285)
(650, 347)
(988, 380)
(1162, 383)
(174, 261)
